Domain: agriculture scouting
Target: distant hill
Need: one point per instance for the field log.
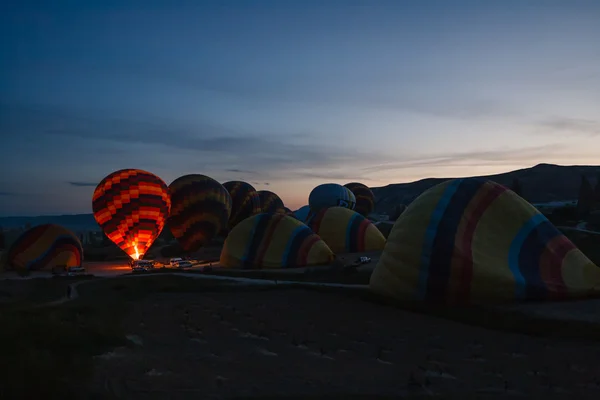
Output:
(74, 222)
(540, 184)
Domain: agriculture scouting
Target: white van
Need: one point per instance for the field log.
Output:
(180, 263)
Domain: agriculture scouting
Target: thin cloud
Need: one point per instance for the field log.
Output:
(470, 158)
(83, 184)
(241, 171)
(574, 126)
(8, 194)
(218, 146)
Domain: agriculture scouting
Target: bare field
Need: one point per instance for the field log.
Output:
(297, 342)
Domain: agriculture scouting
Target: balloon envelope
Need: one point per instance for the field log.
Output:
(44, 247)
(200, 209)
(302, 213)
(245, 201)
(346, 231)
(131, 206)
(273, 241)
(270, 202)
(475, 241)
(331, 195)
(365, 199)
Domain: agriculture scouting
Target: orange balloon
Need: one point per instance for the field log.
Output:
(131, 206)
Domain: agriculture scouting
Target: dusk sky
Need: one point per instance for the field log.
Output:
(290, 94)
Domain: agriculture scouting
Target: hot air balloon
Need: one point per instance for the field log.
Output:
(365, 199)
(245, 201)
(331, 195)
(131, 206)
(302, 213)
(288, 212)
(273, 241)
(346, 231)
(475, 241)
(44, 247)
(270, 202)
(200, 209)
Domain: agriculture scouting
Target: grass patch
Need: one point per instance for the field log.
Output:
(505, 320)
(47, 352)
(26, 293)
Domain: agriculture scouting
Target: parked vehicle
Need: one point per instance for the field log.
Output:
(141, 265)
(174, 262)
(184, 264)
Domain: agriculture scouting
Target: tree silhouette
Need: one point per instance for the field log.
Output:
(596, 205)
(585, 200)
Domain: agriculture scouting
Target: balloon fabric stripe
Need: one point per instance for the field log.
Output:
(530, 255)
(443, 244)
(551, 264)
(430, 235)
(305, 249)
(260, 227)
(515, 250)
(465, 273)
(274, 221)
(353, 233)
(298, 240)
(62, 244)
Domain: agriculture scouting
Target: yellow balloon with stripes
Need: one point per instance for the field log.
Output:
(346, 231)
(273, 241)
(475, 241)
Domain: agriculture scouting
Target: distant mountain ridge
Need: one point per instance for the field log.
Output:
(74, 222)
(540, 184)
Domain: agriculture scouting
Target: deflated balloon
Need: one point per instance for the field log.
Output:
(44, 247)
(270, 202)
(365, 199)
(475, 241)
(200, 209)
(245, 201)
(331, 195)
(131, 206)
(273, 241)
(346, 231)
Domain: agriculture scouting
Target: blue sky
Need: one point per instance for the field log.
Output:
(289, 94)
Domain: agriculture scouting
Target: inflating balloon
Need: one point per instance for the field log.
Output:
(365, 199)
(131, 206)
(44, 247)
(346, 231)
(273, 241)
(475, 241)
(288, 212)
(331, 195)
(245, 201)
(200, 209)
(270, 202)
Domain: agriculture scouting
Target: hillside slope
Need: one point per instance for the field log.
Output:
(542, 183)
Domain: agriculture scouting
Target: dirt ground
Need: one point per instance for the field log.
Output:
(297, 342)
